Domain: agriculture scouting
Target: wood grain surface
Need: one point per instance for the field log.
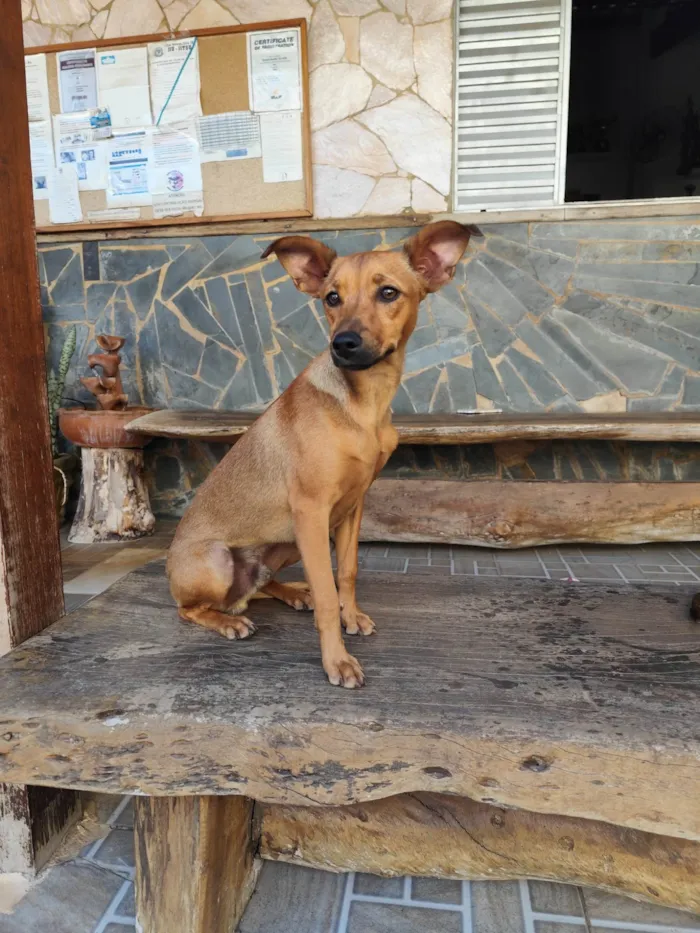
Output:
(581, 700)
(450, 429)
(507, 514)
(452, 837)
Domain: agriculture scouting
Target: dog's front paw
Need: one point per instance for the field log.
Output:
(344, 672)
(357, 623)
(237, 627)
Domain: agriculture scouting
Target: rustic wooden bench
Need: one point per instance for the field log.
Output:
(542, 730)
(500, 513)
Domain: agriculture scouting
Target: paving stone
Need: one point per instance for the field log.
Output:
(148, 350)
(197, 314)
(239, 254)
(561, 245)
(550, 269)
(188, 391)
(297, 359)
(142, 291)
(303, 328)
(487, 382)
(602, 906)
(442, 401)
(70, 898)
(184, 269)
(545, 389)
(376, 886)
(118, 928)
(221, 306)
(91, 261)
(123, 265)
(580, 383)
(252, 341)
(493, 333)
(385, 918)
(439, 353)
(524, 286)
(289, 898)
(54, 261)
(573, 349)
(496, 908)
(450, 318)
(285, 298)
(177, 347)
(117, 851)
(99, 294)
(69, 287)
(462, 387)
(420, 388)
(218, 365)
(423, 337)
(516, 232)
(241, 393)
(256, 291)
(519, 397)
(483, 284)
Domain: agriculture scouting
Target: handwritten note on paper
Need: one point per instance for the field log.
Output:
(64, 200)
(123, 82)
(281, 146)
(37, 87)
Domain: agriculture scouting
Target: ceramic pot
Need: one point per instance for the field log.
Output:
(103, 429)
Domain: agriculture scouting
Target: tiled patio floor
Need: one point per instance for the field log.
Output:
(91, 890)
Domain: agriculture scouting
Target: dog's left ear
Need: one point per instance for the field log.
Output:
(306, 260)
(436, 249)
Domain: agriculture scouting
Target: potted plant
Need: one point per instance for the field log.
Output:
(64, 464)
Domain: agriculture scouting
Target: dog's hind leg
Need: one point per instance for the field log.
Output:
(296, 595)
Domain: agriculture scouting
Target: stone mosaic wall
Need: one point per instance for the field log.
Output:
(577, 316)
(381, 85)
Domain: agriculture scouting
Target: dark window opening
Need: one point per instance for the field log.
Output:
(634, 100)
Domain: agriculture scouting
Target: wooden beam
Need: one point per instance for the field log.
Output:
(454, 837)
(507, 514)
(31, 594)
(195, 863)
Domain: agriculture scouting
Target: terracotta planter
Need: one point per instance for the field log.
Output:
(102, 429)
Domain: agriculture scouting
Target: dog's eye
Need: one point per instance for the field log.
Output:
(388, 293)
(333, 299)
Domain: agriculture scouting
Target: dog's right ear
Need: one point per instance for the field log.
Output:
(307, 261)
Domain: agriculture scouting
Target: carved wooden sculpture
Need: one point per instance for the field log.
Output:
(106, 386)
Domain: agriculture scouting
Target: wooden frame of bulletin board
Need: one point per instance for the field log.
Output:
(233, 190)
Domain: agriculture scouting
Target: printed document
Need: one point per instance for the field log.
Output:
(123, 81)
(274, 70)
(64, 200)
(281, 146)
(176, 178)
(77, 80)
(37, 87)
(41, 148)
(129, 162)
(224, 136)
(174, 72)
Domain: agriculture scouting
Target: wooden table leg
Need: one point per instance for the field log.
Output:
(195, 863)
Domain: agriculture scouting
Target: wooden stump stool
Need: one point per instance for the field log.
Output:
(114, 503)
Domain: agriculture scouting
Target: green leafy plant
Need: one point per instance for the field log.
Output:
(57, 383)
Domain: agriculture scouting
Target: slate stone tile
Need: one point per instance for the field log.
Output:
(439, 353)
(91, 261)
(671, 252)
(486, 380)
(678, 273)
(176, 249)
(452, 294)
(493, 333)
(272, 270)
(304, 330)
(545, 388)
(423, 337)
(610, 230)
(241, 393)
(441, 399)
(575, 351)
(565, 403)
(284, 375)
(636, 368)
(99, 294)
(251, 341)
(125, 326)
(679, 319)
(256, 291)
(569, 374)
(462, 387)
(216, 244)
(183, 269)
(142, 291)
(563, 246)
(221, 306)
(285, 299)
(189, 392)
(239, 254)
(652, 403)
(376, 886)
(596, 251)
(519, 397)
(117, 850)
(402, 404)
(526, 288)
(41, 267)
(177, 348)
(515, 232)
(483, 284)
(69, 287)
(450, 320)
(197, 314)
(420, 388)
(691, 395)
(550, 269)
(123, 264)
(356, 241)
(55, 260)
(297, 358)
(218, 366)
(687, 296)
(395, 235)
(67, 313)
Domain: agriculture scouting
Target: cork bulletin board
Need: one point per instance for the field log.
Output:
(232, 190)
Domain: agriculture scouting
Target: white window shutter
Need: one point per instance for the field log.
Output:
(512, 88)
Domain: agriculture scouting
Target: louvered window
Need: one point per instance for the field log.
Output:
(512, 98)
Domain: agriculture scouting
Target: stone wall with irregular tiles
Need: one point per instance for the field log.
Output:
(381, 85)
(576, 316)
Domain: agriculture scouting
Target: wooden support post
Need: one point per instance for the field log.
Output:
(195, 863)
(31, 595)
(114, 503)
(454, 837)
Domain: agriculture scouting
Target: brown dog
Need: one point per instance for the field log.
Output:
(301, 472)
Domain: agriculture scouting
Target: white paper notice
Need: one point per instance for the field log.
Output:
(123, 81)
(41, 147)
(89, 161)
(37, 87)
(274, 70)
(77, 80)
(174, 71)
(64, 200)
(224, 136)
(176, 179)
(281, 146)
(114, 213)
(129, 161)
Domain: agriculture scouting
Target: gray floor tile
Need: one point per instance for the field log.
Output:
(70, 898)
(387, 918)
(75, 600)
(496, 907)
(464, 564)
(436, 890)
(386, 564)
(594, 572)
(127, 905)
(125, 820)
(408, 550)
(289, 898)
(117, 850)
(375, 886)
(547, 897)
(514, 568)
(602, 906)
(119, 928)
(541, 927)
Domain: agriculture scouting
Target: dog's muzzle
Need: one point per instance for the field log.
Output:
(349, 351)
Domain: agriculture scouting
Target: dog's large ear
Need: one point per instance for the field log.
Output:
(436, 249)
(306, 260)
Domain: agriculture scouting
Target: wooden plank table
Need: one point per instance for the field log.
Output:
(538, 729)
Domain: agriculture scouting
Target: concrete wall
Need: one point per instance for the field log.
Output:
(572, 316)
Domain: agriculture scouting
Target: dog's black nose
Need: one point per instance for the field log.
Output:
(346, 344)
